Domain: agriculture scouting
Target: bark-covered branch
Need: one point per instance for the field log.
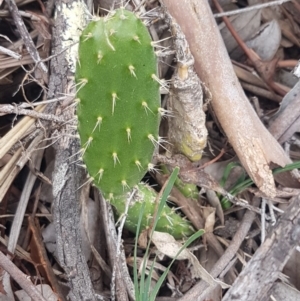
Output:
(67, 177)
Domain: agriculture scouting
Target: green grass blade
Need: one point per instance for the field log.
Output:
(227, 171)
(248, 182)
(135, 273)
(148, 281)
(164, 197)
(288, 167)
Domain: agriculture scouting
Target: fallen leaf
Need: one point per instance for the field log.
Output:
(167, 245)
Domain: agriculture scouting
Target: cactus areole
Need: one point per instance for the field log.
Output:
(118, 101)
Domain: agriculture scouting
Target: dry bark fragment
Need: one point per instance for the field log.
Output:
(187, 131)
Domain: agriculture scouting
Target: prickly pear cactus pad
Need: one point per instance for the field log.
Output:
(118, 101)
(169, 221)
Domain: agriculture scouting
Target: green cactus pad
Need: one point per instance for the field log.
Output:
(118, 101)
(187, 189)
(169, 221)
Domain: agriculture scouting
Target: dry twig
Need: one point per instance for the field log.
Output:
(263, 269)
(25, 35)
(20, 278)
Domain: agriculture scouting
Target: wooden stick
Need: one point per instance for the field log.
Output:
(20, 278)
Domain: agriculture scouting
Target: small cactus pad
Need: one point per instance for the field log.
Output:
(187, 189)
(169, 221)
(118, 101)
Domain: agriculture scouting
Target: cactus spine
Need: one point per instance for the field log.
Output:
(119, 112)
